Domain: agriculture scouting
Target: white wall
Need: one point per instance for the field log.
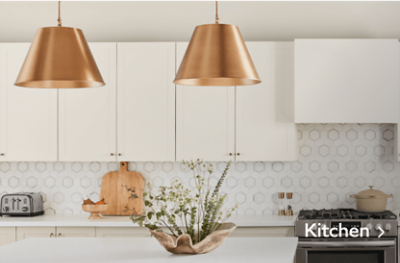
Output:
(175, 21)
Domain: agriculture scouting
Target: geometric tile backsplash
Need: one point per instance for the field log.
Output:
(335, 160)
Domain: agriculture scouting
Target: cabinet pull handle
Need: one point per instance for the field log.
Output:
(51, 234)
(59, 235)
(111, 154)
(1, 154)
(238, 153)
(119, 154)
(230, 154)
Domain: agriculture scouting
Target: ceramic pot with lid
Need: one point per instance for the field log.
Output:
(371, 200)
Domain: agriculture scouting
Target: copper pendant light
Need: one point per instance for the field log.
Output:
(59, 57)
(217, 56)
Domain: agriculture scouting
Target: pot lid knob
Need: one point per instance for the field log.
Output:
(371, 186)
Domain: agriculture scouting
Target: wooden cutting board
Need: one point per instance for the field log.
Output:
(115, 194)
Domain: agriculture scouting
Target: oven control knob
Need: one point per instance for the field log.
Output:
(388, 227)
(369, 226)
(377, 226)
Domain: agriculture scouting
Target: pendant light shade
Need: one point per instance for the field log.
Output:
(217, 56)
(59, 57)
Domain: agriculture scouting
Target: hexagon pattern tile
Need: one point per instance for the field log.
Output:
(335, 160)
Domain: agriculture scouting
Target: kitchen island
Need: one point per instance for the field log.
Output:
(63, 250)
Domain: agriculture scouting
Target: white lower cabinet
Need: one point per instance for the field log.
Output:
(7, 235)
(122, 232)
(11, 234)
(263, 232)
(29, 232)
(52, 232)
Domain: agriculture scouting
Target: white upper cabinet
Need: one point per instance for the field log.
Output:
(28, 116)
(346, 81)
(87, 116)
(205, 121)
(248, 123)
(146, 102)
(265, 129)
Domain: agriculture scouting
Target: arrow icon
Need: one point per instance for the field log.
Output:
(382, 232)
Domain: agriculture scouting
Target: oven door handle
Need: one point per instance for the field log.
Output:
(385, 243)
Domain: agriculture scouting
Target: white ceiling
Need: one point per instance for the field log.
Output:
(175, 21)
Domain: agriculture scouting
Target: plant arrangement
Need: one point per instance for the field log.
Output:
(196, 212)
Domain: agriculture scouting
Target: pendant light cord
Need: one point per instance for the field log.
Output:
(216, 13)
(59, 14)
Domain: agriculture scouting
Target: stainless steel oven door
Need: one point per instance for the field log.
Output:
(371, 250)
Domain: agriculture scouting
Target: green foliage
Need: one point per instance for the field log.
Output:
(200, 211)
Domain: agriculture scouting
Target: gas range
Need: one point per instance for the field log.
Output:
(386, 220)
(379, 247)
(343, 214)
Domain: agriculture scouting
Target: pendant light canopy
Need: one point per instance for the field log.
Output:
(59, 57)
(217, 56)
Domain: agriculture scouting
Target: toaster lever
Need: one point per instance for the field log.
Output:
(18, 200)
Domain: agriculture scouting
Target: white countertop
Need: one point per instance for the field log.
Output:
(123, 221)
(67, 250)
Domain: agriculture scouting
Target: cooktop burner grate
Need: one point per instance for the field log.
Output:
(343, 214)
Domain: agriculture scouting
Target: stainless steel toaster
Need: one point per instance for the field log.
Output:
(21, 204)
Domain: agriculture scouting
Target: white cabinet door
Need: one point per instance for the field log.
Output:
(28, 116)
(76, 232)
(122, 232)
(346, 81)
(87, 117)
(28, 232)
(265, 128)
(146, 102)
(7, 235)
(205, 121)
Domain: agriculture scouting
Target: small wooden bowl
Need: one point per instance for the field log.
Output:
(94, 210)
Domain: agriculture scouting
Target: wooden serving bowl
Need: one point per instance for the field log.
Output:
(94, 210)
